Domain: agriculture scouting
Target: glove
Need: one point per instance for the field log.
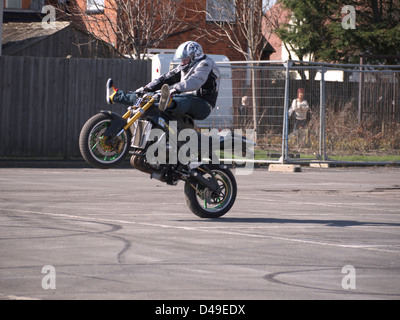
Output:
(174, 91)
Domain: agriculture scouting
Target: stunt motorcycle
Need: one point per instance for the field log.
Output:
(148, 135)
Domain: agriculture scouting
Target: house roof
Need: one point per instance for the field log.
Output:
(31, 39)
(19, 35)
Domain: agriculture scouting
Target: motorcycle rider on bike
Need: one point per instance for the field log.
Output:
(194, 85)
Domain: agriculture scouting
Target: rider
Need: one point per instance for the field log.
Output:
(194, 85)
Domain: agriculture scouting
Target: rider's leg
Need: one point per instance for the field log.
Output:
(196, 107)
(124, 98)
(114, 95)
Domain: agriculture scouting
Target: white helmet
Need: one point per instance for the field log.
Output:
(189, 49)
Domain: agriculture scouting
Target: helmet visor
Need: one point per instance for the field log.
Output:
(181, 52)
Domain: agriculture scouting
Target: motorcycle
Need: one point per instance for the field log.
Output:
(151, 137)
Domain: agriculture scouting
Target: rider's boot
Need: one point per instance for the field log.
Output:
(165, 98)
(110, 91)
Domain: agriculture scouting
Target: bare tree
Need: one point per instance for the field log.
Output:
(239, 23)
(131, 26)
(242, 24)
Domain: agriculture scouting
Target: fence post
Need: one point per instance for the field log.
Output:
(322, 138)
(254, 101)
(285, 129)
(360, 89)
(1, 24)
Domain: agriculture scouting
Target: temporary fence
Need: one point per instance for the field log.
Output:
(353, 114)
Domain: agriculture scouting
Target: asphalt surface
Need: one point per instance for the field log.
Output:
(82, 233)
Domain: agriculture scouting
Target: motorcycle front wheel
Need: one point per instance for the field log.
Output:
(212, 204)
(100, 151)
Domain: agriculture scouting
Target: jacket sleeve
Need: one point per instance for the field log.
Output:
(169, 78)
(195, 78)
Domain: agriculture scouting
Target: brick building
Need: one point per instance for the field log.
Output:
(196, 22)
(190, 12)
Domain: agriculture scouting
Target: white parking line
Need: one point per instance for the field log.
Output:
(212, 230)
(334, 204)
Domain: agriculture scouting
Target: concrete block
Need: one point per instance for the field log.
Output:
(319, 165)
(284, 167)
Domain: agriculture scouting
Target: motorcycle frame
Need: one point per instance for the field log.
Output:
(139, 112)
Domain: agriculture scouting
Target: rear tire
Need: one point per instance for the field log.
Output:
(98, 151)
(207, 204)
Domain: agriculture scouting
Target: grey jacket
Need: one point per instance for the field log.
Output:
(200, 79)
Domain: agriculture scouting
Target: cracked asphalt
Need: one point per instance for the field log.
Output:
(117, 234)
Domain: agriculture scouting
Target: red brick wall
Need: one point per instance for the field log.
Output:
(192, 11)
(101, 29)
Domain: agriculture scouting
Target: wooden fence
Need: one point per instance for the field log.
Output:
(45, 101)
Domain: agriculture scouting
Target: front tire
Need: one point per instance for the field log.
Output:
(99, 151)
(207, 204)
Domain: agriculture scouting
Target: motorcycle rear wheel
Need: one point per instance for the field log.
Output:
(207, 204)
(99, 151)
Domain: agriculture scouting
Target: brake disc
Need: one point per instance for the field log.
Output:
(214, 197)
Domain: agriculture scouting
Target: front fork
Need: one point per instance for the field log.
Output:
(120, 124)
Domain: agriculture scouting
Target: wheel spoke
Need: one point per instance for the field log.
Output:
(217, 200)
(103, 149)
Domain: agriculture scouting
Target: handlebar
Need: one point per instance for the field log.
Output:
(144, 94)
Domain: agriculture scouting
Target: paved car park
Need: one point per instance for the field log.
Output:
(82, 233)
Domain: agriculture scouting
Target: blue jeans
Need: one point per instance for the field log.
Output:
(299, 124)
(197, 108)
(125, 98)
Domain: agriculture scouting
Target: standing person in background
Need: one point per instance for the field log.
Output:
(299, 108)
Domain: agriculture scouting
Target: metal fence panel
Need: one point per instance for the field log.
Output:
(349, 115)
(357, 117)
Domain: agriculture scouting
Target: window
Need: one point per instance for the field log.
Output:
(95, 6)
(35, 5)
(220, 10)
(13, 4)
